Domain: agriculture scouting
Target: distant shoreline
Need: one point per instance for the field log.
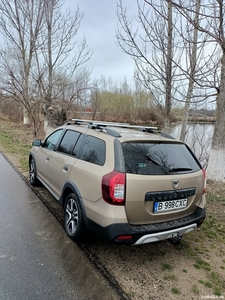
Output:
(198, 119)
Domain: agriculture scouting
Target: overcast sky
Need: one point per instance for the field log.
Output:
(99, 25)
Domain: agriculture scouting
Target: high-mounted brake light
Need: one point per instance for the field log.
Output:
(204, 174)
(113, 188)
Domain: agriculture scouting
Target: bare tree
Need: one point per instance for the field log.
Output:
(63, 57)
(212, 23)
(20, 25)
(41, 47)
(171, 58)
(152, 49)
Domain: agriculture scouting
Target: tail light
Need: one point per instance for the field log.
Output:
(113, 188)
(204, 174)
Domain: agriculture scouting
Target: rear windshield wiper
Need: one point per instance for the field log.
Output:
(170, 170)
(180, 169)
(152, 160)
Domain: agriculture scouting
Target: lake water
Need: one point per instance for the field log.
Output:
(198, 138)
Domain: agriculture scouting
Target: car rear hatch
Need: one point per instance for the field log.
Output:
(164, 181)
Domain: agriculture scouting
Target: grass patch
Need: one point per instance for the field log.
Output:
(167, 267)
(218, 283)
(206, 283)
(175, 291)
(12, 145)
(208, 227)
(24, 163)
(201, 264)
(171, 277)
(195, 289)
(218, 196)
(213, 229)
(10, 141)
(201, 281)
(217, 291)
(211, 197)
(186, 246)
(201, 249)
(215, 282)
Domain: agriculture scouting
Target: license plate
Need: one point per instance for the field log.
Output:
(169, 205)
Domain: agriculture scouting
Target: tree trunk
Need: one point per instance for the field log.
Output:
(25, 116)
(193, 59)
(169, 70)
(216, 170)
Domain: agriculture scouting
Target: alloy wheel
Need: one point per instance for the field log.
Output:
(71, 216)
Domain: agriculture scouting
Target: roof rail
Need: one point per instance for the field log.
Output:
(101, 125)
(93, 122)
(113, 124)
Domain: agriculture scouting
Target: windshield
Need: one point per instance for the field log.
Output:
(158, 158)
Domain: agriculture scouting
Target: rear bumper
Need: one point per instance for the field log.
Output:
(159, 236)
(140, 234)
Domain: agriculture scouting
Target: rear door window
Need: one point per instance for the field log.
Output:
(69, 141)
(158, 158)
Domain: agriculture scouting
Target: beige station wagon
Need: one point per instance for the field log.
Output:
(128, 184)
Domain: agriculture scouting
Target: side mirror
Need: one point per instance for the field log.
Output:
(37, 143)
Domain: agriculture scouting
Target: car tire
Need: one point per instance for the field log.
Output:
(73, 217)
(33, 173)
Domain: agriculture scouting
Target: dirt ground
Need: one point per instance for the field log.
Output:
(195, 269)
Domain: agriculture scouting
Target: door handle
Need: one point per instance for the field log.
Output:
(47, 159)
(65, 168)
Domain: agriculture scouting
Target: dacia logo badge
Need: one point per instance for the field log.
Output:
(175, 183)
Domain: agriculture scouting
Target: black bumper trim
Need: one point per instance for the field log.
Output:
(111, 232)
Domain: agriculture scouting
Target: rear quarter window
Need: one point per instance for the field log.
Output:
(158, 158)
(94, 150)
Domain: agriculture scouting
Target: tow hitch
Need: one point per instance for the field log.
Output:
(175, 240)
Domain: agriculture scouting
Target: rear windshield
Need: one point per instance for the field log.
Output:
(158, 158)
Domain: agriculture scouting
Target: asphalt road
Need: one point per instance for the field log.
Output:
(37, 259)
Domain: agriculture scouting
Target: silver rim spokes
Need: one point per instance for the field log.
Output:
(71, 216)
(32, 171)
